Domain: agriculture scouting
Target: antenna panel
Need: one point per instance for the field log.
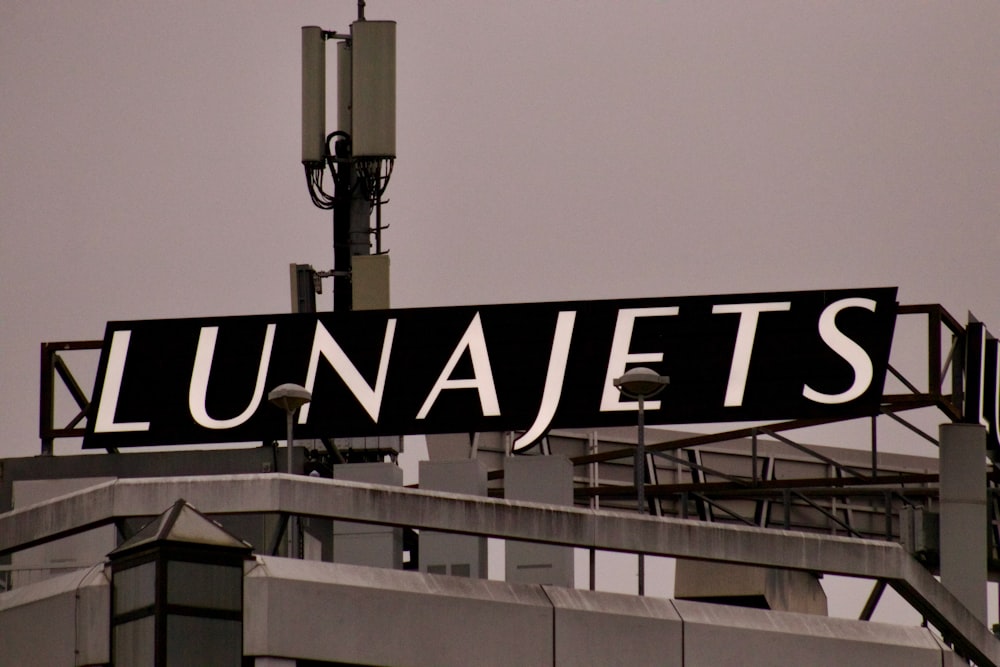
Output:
(373, 89)
(344, 86)
(313, 96)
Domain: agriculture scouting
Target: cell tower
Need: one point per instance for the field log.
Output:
(359, 155)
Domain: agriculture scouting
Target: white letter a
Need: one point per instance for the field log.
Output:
(482, 379)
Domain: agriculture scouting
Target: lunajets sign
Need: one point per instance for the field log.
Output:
(518, 367)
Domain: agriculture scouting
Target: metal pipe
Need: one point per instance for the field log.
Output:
(640, 460)
(292, 528)
(640, 481)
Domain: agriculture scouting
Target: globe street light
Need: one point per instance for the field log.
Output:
(289, 397)
(641, 383)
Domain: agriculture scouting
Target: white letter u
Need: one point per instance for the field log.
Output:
(202, 370)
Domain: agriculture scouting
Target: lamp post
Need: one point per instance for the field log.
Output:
(641, 383)
(289, 397)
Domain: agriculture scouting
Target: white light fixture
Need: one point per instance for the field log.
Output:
(289, 397)
(641, 383)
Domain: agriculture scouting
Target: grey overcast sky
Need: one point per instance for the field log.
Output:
(149, 157)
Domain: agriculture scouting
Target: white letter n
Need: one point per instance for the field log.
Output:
(369, 397)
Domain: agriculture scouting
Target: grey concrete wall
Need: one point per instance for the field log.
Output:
(402, 618)
(964, 519)
(64, 620)
(344, 613)
(368, 544)
(510, 520)
(762, 587)
(43, 470)
(446, 553)
(544, 479)
(601, 629)
(60, 556)
(717, 635)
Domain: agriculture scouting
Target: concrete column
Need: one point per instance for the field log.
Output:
(964, 521)
(367, 544)
(445, 553)
(544, 479)
(749, 586)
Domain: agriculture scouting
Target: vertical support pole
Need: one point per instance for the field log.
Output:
(934, 352)
(342, 293)
(595, 502)
(343, 184)
(958, 371)
(640, 482)
(964, 522)
(642, 574)
(887, 498)
(874, 447)
(640, 461)
(293, 527)
(46, 406)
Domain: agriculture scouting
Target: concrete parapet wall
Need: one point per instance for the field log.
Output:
(722, 635)
(336, 612)
(403, 618)
(345, 613)
(64, 620)
(506, 519)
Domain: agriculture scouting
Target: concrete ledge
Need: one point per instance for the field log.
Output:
(537, 522)
(723, 635)
(598, 629)
(355, 614)
(62, 620)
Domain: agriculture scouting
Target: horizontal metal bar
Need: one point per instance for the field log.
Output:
(844, 486)
(697, 466)
(806, 450)
(64, 433)
(928, 308)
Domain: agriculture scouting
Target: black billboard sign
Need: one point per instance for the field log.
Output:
(982, 381)
(516, 367)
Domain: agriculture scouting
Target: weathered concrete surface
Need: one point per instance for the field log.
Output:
(356, 614)
(64, 620)
(724, 635)
(512, 520)
(596, 628)
(365, 615)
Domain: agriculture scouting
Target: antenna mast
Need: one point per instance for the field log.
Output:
(359, 154)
